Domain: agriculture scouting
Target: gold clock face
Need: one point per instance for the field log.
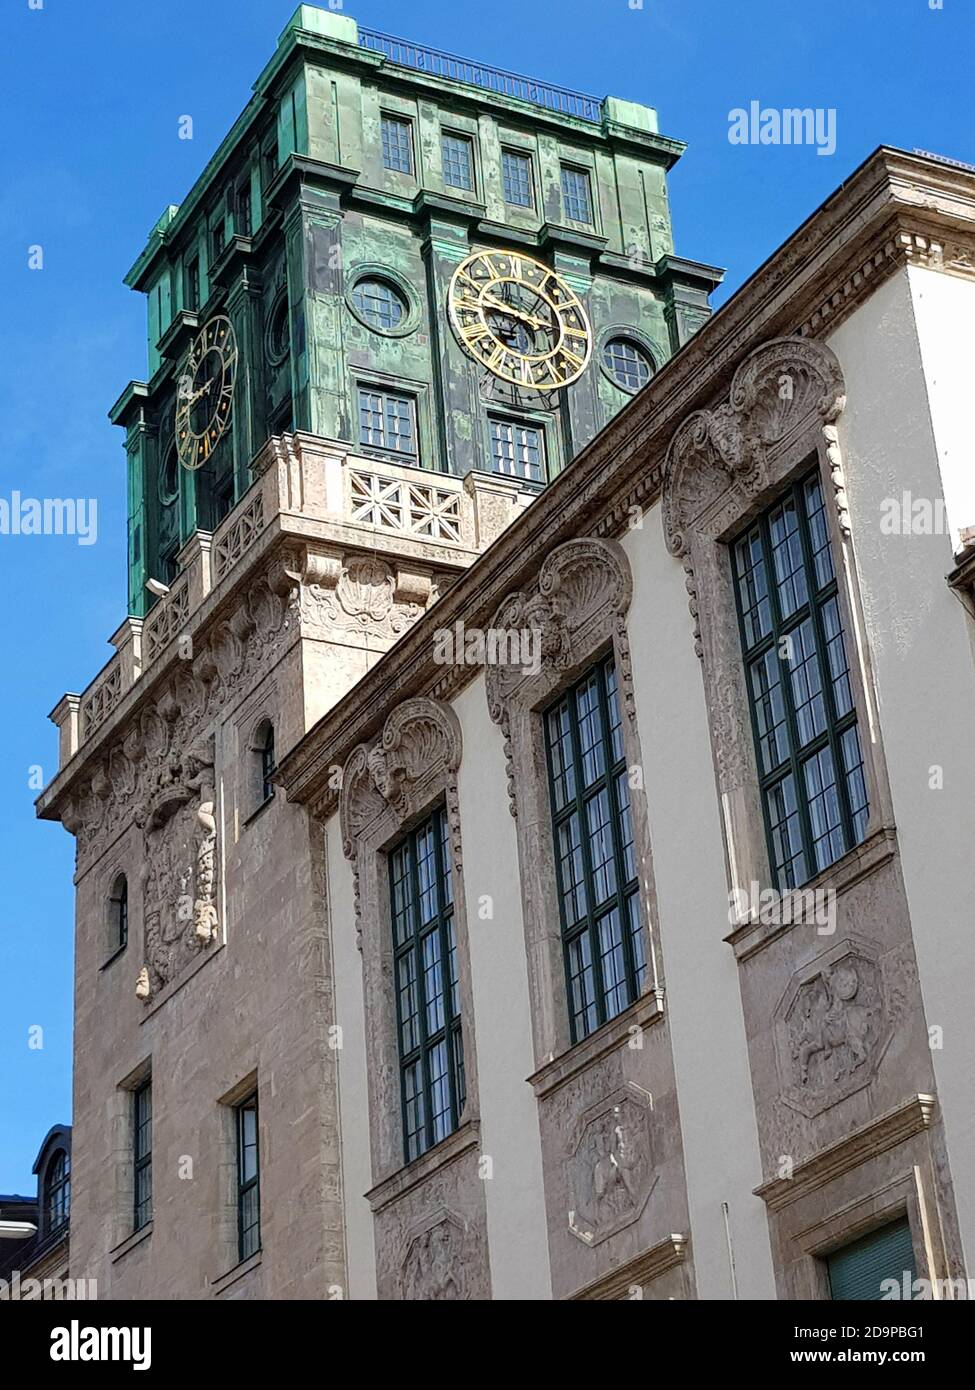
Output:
(520, 319)
(205, 394)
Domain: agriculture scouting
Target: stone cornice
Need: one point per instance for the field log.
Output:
(665, 1255)
(864, 1143)
(891, 199)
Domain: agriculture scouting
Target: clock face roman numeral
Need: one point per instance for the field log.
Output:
(519, 319)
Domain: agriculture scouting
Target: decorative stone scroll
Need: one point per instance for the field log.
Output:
(581, 599)
(721, 461)
(387, 782)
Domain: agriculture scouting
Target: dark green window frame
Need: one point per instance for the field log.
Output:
(247, 1123)
(142, 1154)
(811, 774)
(428, 1022)
(595, 861)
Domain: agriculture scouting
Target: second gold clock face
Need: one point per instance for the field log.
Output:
(206, 392)
(520, 319)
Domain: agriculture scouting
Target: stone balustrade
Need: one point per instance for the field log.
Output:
(310, 487)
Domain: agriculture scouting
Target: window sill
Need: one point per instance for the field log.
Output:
(390, 1189)
(238, 1271)
(119, 951)
(857, 864)
(249, 820)
(646, 1010)
(130, 1242)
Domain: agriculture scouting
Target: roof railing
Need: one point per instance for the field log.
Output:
(510, 84)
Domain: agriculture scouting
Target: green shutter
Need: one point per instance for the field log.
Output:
(856, 1271)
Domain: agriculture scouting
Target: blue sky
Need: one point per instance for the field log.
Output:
(91, 96)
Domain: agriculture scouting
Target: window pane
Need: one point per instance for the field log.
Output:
(582, 991)
(516, 173)
(379, 304)
(629, 367)
(560, 753)
(601, 912)
(807, 694)
(615, 993)
(788, 858)
(575, 196)
(397, 145)
(769, 705)
(824, 808)
(790, 577)
(427, 985)
(855, 782)
(805, 725)
(601, 852)
(517, 449)
(573, 873)
(458, 163)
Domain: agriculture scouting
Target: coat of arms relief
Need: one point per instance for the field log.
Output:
(832, 1027)
(179, 870)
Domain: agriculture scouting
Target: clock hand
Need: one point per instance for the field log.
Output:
(516, 313)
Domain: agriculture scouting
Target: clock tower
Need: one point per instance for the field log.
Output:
(422, 258)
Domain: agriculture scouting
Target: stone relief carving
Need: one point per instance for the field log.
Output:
(179, 869)
(361, 593)
(147, 760)
(386, 782)
(832, 1027)
(434, 1267)
(582, 595)
(720, 460)
(611, 1166)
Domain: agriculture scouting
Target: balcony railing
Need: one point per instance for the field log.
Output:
(508, 84)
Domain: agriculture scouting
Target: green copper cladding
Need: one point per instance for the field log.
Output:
(359, 161)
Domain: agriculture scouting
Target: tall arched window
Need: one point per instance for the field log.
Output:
(57, 1192)
(118, 914)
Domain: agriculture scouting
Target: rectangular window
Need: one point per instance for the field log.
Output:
(397, 141)
(192, 285)
(248, 1179)
(142, 1153)
(242, 219)
(518, 450)
(858, 1271)
(516, 173)
(458, 161)
(219, 238)
(576, 195)
(596, 872)
(269, 162)
(810, 767)
(388, 421)
(431, 1050)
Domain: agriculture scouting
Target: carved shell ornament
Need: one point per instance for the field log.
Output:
(779, 388)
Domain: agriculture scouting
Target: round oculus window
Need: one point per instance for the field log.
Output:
(379, 304)
(627, 364)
